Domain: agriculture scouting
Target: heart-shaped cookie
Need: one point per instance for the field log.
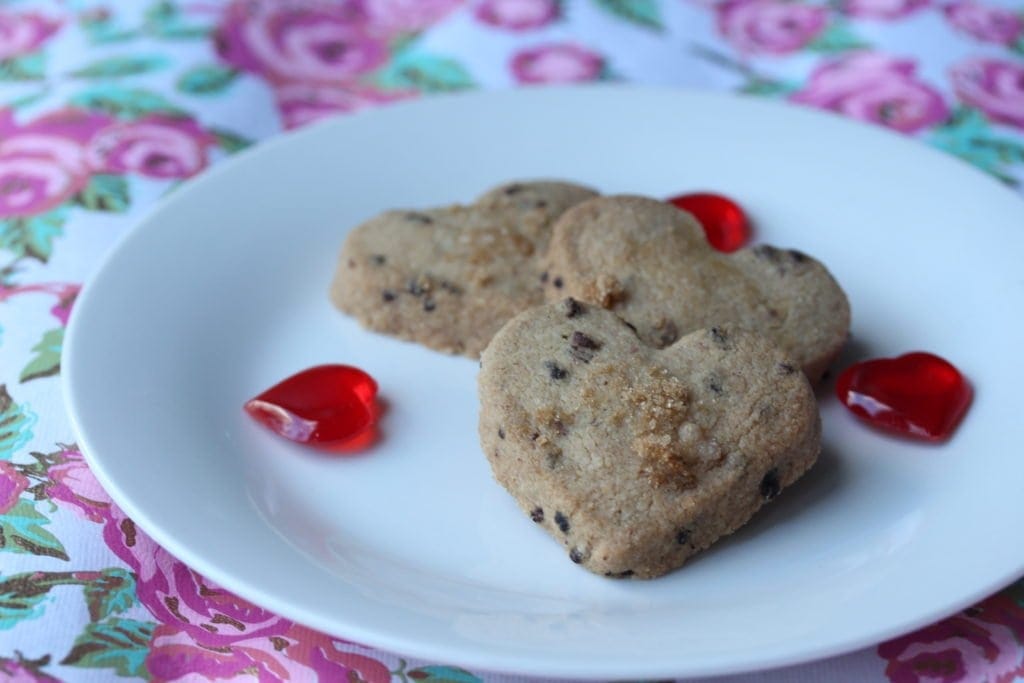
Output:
(636, 458)
(449, 278)
(651, 264)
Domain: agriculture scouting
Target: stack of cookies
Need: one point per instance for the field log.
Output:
(642, 395)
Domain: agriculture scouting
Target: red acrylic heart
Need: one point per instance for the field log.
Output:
(327, 406)
(725, 224)
(917, 394)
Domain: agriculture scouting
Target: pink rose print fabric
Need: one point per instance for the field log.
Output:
(875, 88)
(770, 26)
(43, 164)
(74, 486)
(302, 103)
(204, 630)
(986, 23)
(883, 10)
(12, 484)
(158, 147)
(517, 15)
(994, 86)
(981, 644)
(557, 63)
(108, 105)
(294, 41)
(393, 17)
(24, 33)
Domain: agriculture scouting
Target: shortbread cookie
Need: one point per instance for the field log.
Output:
(650, 263)
(449, 278)
(636, 458)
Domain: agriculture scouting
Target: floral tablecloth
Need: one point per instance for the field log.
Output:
(106, 106)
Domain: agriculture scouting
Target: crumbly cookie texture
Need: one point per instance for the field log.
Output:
(636, 458)
(650, 263)
(449, 278)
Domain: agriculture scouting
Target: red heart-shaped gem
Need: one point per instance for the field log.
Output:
(327, 405)
(724, 222)
(917, 394)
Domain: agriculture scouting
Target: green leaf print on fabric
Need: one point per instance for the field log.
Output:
(16, 423)
(116, 67)
(768, 88)
(32, 237)
(755, 83)
(21, 668)
(968, 135)
(126, 103)
(107, 592)
(163, 20)
(641, 12)
(441, 674)
(105, 192)
(24, 596)
(118, 644)
(30, 67)
(837, 38)
(21, 531)
(112, 592)
(424, 72)
(206, 79)
(100, 28)
(28, 100)
(46, 362)
(228, 141)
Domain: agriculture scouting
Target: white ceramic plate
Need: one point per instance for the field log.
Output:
(221, 292)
